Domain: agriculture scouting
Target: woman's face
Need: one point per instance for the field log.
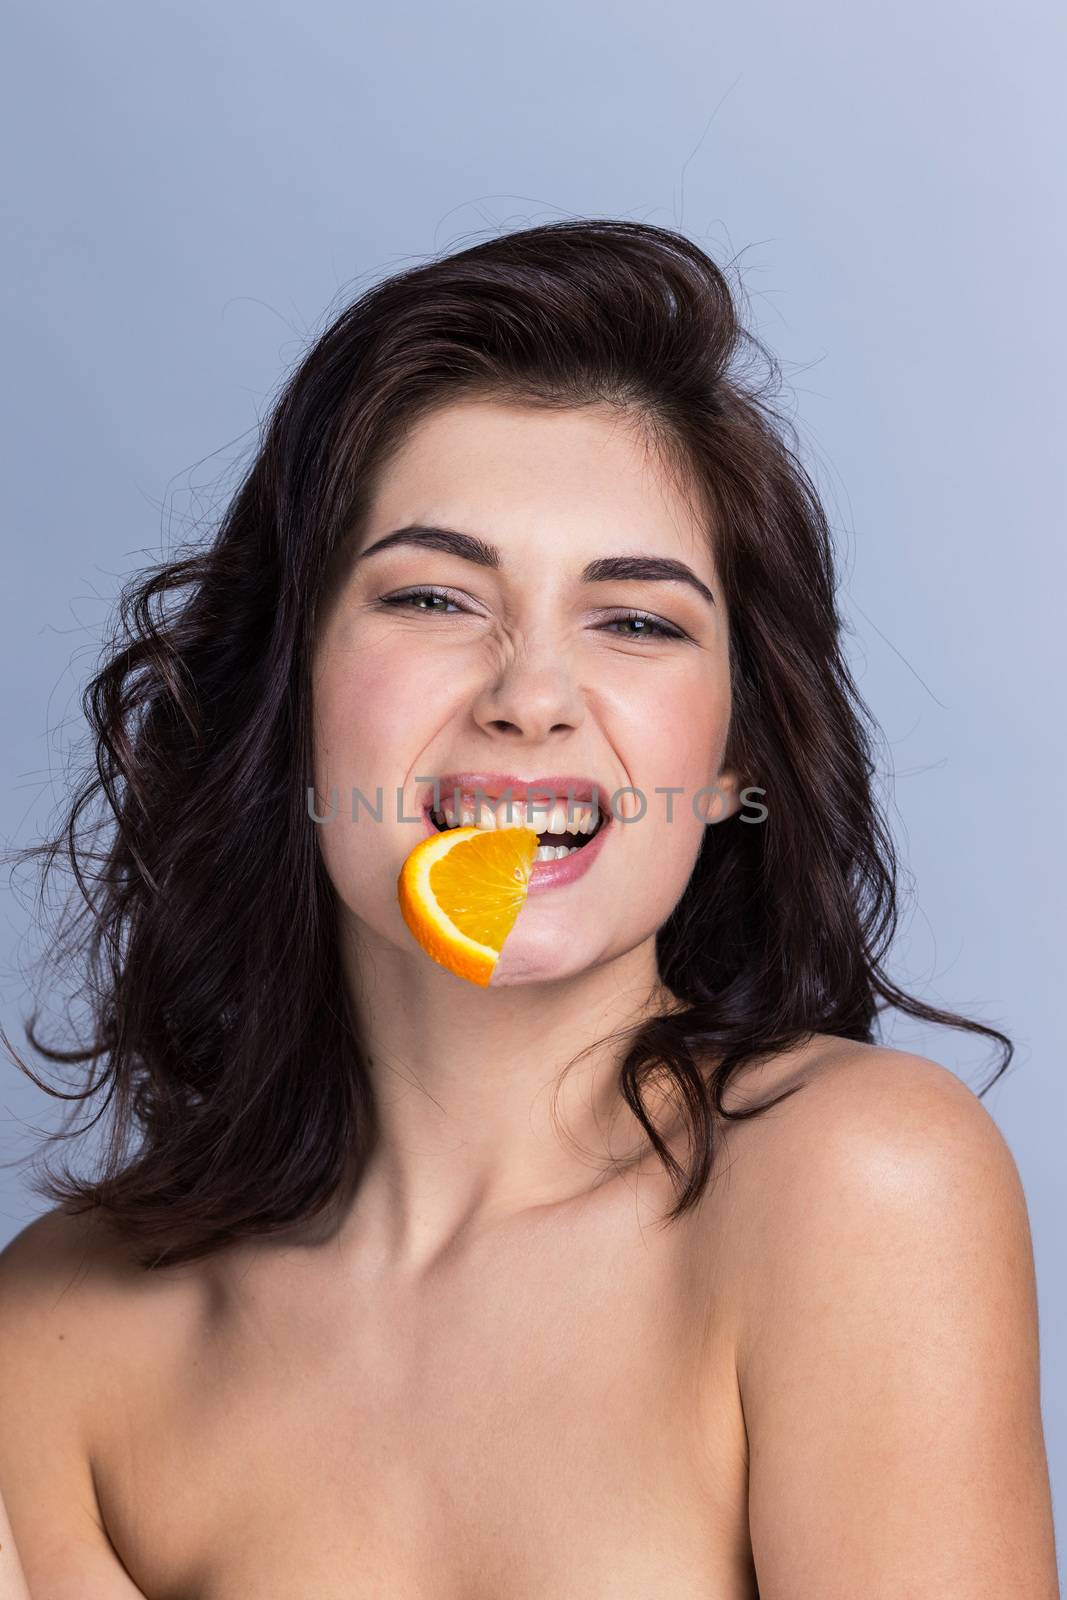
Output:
(526, 667)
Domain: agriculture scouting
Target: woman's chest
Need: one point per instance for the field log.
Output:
(539, 1428)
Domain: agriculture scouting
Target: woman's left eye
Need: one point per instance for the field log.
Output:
(650, 627)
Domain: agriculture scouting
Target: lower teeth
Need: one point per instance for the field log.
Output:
(554, 852)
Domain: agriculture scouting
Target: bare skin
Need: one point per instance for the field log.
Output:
(497, 1374)
(828, 1376)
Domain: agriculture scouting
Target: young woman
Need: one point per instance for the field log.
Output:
(644, 1271)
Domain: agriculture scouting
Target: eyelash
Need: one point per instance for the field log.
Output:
(655, 629)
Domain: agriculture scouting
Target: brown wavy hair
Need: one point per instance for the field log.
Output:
(202, 920)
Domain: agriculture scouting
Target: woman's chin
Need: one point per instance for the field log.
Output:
(533, 961)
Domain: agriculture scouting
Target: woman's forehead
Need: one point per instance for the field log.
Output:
(520, 475)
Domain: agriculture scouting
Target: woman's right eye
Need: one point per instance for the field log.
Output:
(409, 596)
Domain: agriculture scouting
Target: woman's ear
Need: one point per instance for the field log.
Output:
(722, 796)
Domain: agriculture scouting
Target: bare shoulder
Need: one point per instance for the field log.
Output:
(69, 1280)
(851, 1081)
(79, 1315)
(840, 1116)
(866, 1143)
(887, 1343)
(58, 1264)
(71, 1327)
(65, 1285)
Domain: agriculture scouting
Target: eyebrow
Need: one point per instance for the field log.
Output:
(621, 569)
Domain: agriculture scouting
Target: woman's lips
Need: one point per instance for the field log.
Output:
(554, 874)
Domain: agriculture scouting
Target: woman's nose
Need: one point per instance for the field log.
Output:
(531, 695)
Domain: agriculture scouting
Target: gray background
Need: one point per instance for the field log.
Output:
(191, 190)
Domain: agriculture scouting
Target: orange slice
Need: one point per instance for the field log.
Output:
(460, 892)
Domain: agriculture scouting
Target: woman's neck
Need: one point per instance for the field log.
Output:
(476, 1119)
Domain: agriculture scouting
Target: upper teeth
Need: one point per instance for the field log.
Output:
(576, 816)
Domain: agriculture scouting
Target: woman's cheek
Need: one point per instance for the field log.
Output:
(370, 713)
